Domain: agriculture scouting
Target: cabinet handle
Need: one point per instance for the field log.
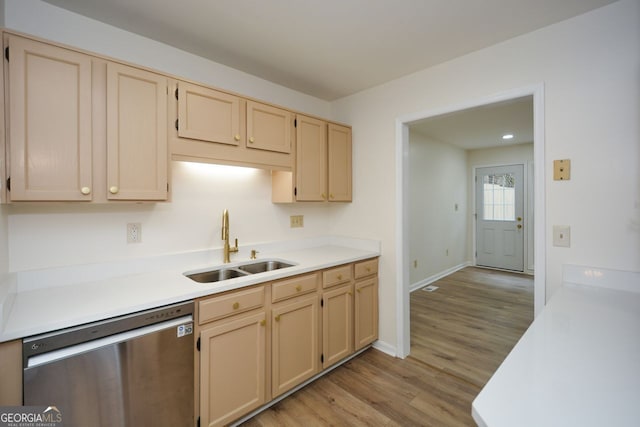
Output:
(113, 190)
(263, 322)
(277, 318)
(237, 137)
(298, 288)
(236, 305)
(85, 190)
(252, 140)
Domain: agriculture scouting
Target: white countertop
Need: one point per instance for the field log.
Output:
(101, 291)
(579, 362)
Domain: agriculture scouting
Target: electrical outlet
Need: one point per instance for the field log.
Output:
(297, 221)
(134, 232)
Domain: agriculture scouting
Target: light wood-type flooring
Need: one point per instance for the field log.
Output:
(459, 336)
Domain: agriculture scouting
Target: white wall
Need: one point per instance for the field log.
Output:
(50, 235)
(506, 155)
(438, 181)
(52, 23)
(589, 66)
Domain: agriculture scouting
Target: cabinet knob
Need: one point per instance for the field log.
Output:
(113, 189)
(237, 137)
(263, 322)
(359, 290)
(339, 276)
(368, 269)
(236, 305)
(298, 288)
(323, 196)
(519, 226)
(331, 196)
(350, 293)
(85, 190)
(277, 318)
(252, 140)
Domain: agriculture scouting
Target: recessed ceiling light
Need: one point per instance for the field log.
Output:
(507, 136)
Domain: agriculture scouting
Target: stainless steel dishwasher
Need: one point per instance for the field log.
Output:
(134, 370)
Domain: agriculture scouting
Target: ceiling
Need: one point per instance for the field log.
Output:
(330, 48)
(482, 127)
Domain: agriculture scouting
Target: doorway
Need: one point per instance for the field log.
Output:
(499, 217)
(402, 219)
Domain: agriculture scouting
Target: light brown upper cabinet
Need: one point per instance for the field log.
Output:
(49, 135)
(137, 153)
(208, 115)
(268, 128)
(311, 159)
(339, 164)
(216, 127)
(322, 167)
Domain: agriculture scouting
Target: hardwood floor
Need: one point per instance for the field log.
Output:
(460, 334)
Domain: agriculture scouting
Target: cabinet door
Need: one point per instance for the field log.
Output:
(294, 333)
(208, 115)
(268, 128)
(137, 156)
(50, 122)
(366, 312)
(339, 165)
(337, 325)
(232, 368)
(311, 159)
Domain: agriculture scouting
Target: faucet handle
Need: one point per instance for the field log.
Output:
(254, 253)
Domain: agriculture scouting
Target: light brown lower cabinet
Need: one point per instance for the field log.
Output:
(337, 324)
(232, 368)
(11, 373)
(294, 334)
(260, 342)
(365, 312)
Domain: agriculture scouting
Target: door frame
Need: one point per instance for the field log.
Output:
(526, 185)
(403, 338)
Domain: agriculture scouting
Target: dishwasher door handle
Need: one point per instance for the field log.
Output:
(73, 350)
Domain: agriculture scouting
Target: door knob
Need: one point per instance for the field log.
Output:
(519, 226)
(519, 218)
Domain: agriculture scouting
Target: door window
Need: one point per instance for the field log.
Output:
(499, 197)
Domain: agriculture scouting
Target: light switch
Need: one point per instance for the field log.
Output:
(562, 236)
(562, 170)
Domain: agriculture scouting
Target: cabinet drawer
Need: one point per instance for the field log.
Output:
(335, 276)
(366, 268)
(294, 287)
(226, 305)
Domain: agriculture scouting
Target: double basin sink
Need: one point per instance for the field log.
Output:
(224, 273)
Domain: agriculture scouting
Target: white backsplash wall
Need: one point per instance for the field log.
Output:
(47, 235)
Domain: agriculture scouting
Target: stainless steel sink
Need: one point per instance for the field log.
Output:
(262, 266)
(224, 273)
(216, 275)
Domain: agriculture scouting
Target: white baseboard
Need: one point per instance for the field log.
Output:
(385, 348)
(429, 280)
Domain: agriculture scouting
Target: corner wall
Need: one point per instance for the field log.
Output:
(589, 66)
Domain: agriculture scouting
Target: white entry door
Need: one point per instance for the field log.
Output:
(499, 217)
